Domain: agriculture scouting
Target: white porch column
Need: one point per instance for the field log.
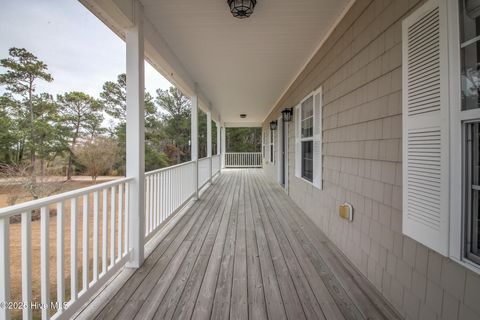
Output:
(223, 138)
(209, 141)
(136, 137)
(194, 142)
(218, 138)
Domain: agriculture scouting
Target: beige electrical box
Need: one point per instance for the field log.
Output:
(346, 211)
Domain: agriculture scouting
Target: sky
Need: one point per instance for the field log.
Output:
(80, 51)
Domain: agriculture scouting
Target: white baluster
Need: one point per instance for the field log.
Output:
(104, 230)
(95, 235)
(85, 238)
(155, 189)
(73, 250)
(112, 226)
(60, 256)
(27, 262)
(120, 222)
(44, 261)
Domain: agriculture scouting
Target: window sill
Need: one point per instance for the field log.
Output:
(308, 182)
(468, 264)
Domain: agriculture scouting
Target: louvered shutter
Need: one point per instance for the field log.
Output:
(425, 126)
(298, 144)
(317, 138)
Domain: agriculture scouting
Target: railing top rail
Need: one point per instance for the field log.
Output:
(243, 153)
(204, 158)
(34, 204)
(168, 168)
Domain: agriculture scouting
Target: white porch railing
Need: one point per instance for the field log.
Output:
(97, 214)
(243, 159)
(166, 190)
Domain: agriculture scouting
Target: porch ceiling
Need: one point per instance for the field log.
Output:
(243, 66)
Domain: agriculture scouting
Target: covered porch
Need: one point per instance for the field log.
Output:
(357, 211)
(243, 251)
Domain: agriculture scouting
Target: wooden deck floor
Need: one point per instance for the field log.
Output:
(245, 251)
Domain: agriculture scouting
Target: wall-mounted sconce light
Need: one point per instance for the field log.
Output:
(273, 125)
(287, 114)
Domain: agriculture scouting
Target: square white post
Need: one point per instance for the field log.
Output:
(218, 138)
(194, 142)
(223, 134)
(136, 137)
(209, 142)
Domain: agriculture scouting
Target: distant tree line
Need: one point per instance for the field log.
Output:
(75, 133)
(244, 139)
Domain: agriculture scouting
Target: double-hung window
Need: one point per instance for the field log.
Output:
(470, 123)
(308, 139)
(306, 127)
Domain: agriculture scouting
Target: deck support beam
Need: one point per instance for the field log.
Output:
(135, 132)
(194, 142)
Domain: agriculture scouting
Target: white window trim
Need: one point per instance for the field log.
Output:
(457, 214)
(298, 132)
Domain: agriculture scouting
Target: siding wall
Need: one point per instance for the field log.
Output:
(359, 67)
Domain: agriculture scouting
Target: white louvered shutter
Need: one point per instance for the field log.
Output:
(317, 138)
(425, 126)
(298, 144)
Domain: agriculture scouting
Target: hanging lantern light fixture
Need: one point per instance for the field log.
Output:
(241, 9)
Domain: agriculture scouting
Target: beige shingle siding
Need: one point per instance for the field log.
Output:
(359, 67)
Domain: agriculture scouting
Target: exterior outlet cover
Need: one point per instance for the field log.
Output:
(346, 211)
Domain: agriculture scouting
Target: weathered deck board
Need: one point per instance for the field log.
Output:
(245, 251)
(239, 301)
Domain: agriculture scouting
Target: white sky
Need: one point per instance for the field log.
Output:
(80, 51)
